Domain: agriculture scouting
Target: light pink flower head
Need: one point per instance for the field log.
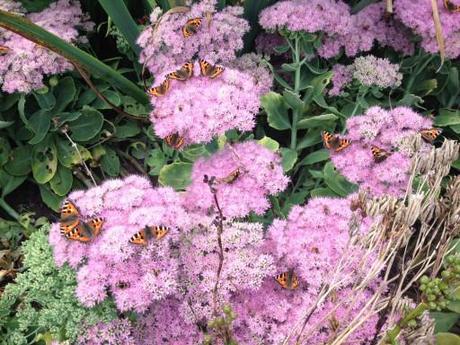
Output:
(385, 129)
(24, 66)
(201, 108)
(260, 175)
(164, 46)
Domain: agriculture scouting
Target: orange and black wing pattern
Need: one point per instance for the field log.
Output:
(191, 27)
(161, 89)
(81, 233)
(182, 74)
(430, 135)
(175, 141)
(379, 154)
(210, 71)
(288, 280)
(333, 142)
(159, 232)
(69, 217)
(95, 225)
(139, 238)
(451, 7)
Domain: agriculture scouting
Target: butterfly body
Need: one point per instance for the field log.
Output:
(210, 71)
(451, 7)
(182, 74)
(161, 89)
(230, 178)
(73, 228)
(175, 141)
(288, 280)
(379, 154)
(333, 142)
(191, 27)
(148, 233)
(430, 135)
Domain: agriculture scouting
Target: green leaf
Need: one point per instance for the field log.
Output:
(192, 153)
(447, 117)
(62, 181)
(5, 149)
(317, 192)
(315, 157)
(44, 161)
(20, 161)
(337, 182)
(46, 101)
(67, 117)
(9, 183)
(176, 175)
(316, 121)
(128, 129)
(269, 143)
(5, 124)
(68, 155)
(444, 321)
(318, 84)
(455, 305)
(40, 123)
(35, 5)
(93, 66)
(447, 339)
(312, 137)
(293, 100)
(118, 12)
(276, 109)
(156, 159)
(112, 96)
(87, 125)
(110, 162)
(65, 93)
(289, 157)
(51, 200)
(8, 100)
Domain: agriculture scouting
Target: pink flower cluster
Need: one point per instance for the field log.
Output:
(342, 75)
(217, 38)
(384, 129)
(418, 16)
(259, 174)
(119, 331)
(24, 66)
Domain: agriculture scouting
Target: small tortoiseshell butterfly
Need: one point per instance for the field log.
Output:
(430, 135)
(191, 27)
(161, 89)
(379, 154)
(182, 74)
(73, 228)
(333, 142)
(175, 141)
(230, 178)
(142, 237)
(451, 7)
(4, 50)
(288, 280)
(210, 71)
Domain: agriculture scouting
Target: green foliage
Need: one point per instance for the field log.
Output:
(42, 300)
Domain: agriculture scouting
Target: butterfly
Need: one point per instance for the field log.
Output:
(208, 70)
(73, 228)
(182, 74)
(142, 237)
(69, 217)
(175, 141)
(334, 142)
(430, 135)
(451, 7)
(230, 178)
(379, 154)
(161, 89)
(288, 280)
(4, 50)
(190, 28)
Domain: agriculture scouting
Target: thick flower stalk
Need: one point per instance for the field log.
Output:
(25, 64)
(218, 38)
(387, 173)
(201, 108)
(259, 174)
(419, 17)
(136, 275)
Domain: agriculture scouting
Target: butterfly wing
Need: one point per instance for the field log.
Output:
(159, 231)
(139, 238)
(451, 7)
(182, 74)
(282, 279)
(232, 177)
(379, 154)
(294, 281)
(175, 141)
(343, 144)
(430, 135)
(191, 27)
(80, 233)
(328, 139)
(333, 142)
(95, 225)
(210, 71)
(69, 217)
(161, 89)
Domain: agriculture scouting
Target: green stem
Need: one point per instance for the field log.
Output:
(413, 314)
(417, 72)
(8, 209)
(295, 112)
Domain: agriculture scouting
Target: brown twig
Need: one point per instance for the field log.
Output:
(133, 161)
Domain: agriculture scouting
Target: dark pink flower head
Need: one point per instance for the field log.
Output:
(202, 108)
(22, 68)
(136, 275)
(313, 241)
(387, 130)
(164, 46)
(418, 15)
(312, 16)
(260, 175)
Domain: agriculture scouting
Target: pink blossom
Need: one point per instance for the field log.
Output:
(165, 47)
(260, 175)
(342, 75)
(116, 332)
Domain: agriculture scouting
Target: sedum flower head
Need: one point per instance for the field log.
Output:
(217, 39)
(24, 66)
(386, 129)
(119, 331)
(260, 175)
